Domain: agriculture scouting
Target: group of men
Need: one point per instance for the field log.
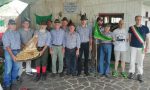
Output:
(67, 43)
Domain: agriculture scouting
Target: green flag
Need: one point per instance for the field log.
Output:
(98, 34)
(2, 23)
(40, 19)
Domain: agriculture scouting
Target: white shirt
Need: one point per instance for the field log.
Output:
(120, 40)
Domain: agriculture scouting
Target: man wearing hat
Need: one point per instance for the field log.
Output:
(12, 44)
(64, 24)
(49, 25)
(26, 33)
(105, 52)
(44, 38)
(85, 33)
(57, 48)
(72, 46)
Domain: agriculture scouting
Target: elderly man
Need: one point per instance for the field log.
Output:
(120, 38)
(12, 44)
(26, 34)
(138, 38)
(57, 48)
(85, 33)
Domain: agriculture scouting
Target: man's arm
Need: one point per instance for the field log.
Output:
(11, 54)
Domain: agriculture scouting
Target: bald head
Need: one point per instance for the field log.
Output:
(121, 23)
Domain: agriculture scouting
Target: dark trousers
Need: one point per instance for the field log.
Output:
(42, 60)
(70, 56)
(83, 49)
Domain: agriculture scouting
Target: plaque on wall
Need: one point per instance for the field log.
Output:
(70, 7)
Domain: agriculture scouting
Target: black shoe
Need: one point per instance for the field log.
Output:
(53, 75)
(44, 76)
(131, 76)
(87, 74)
(61, 74)
(78, 74)
(37, 78)
(139, 78)
(68, 74)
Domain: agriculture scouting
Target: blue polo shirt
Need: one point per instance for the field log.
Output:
(143, 30)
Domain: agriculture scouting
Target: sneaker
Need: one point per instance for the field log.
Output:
(124, 74)
(130, 76)
(115, 74)
(29, 73)
(44, 76)
(139, 78)
(107, 76)
(53, 75)
(61, 74)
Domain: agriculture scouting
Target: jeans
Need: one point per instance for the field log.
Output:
(84, 49)
(105, 56)
(70, 56)
(11, 68)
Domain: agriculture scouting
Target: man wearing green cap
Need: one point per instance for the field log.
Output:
(57, 47)
(85, 33)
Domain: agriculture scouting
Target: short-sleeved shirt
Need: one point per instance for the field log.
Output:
(109, 34)
(26, 35)
(120, 39)
(44, 38)
(143, 30)
(85, 33)
(72, 40)
(57, 37)
(11, 39)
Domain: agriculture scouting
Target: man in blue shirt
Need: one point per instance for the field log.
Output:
(72, 45)
(138, 38)
(85, 33)
(26, 33)
(12, 43)
(57, 47)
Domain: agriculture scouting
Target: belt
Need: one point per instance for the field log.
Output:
(84, 42)
(70, 49)
(56, 45)
(106, 43)
(15, 49)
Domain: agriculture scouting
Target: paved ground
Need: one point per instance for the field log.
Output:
(89, 83)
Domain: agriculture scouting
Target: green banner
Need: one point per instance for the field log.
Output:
(2, 23)
(40, 19)
(98, 34)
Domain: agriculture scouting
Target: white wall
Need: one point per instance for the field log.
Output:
(91, 7)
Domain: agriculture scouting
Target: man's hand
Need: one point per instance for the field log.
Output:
(63, 50)
(41, 53)
(14, 58)
(51, 51)
(145, 50)
(77, 52)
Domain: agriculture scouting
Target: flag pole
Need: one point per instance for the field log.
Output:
(96, 59)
